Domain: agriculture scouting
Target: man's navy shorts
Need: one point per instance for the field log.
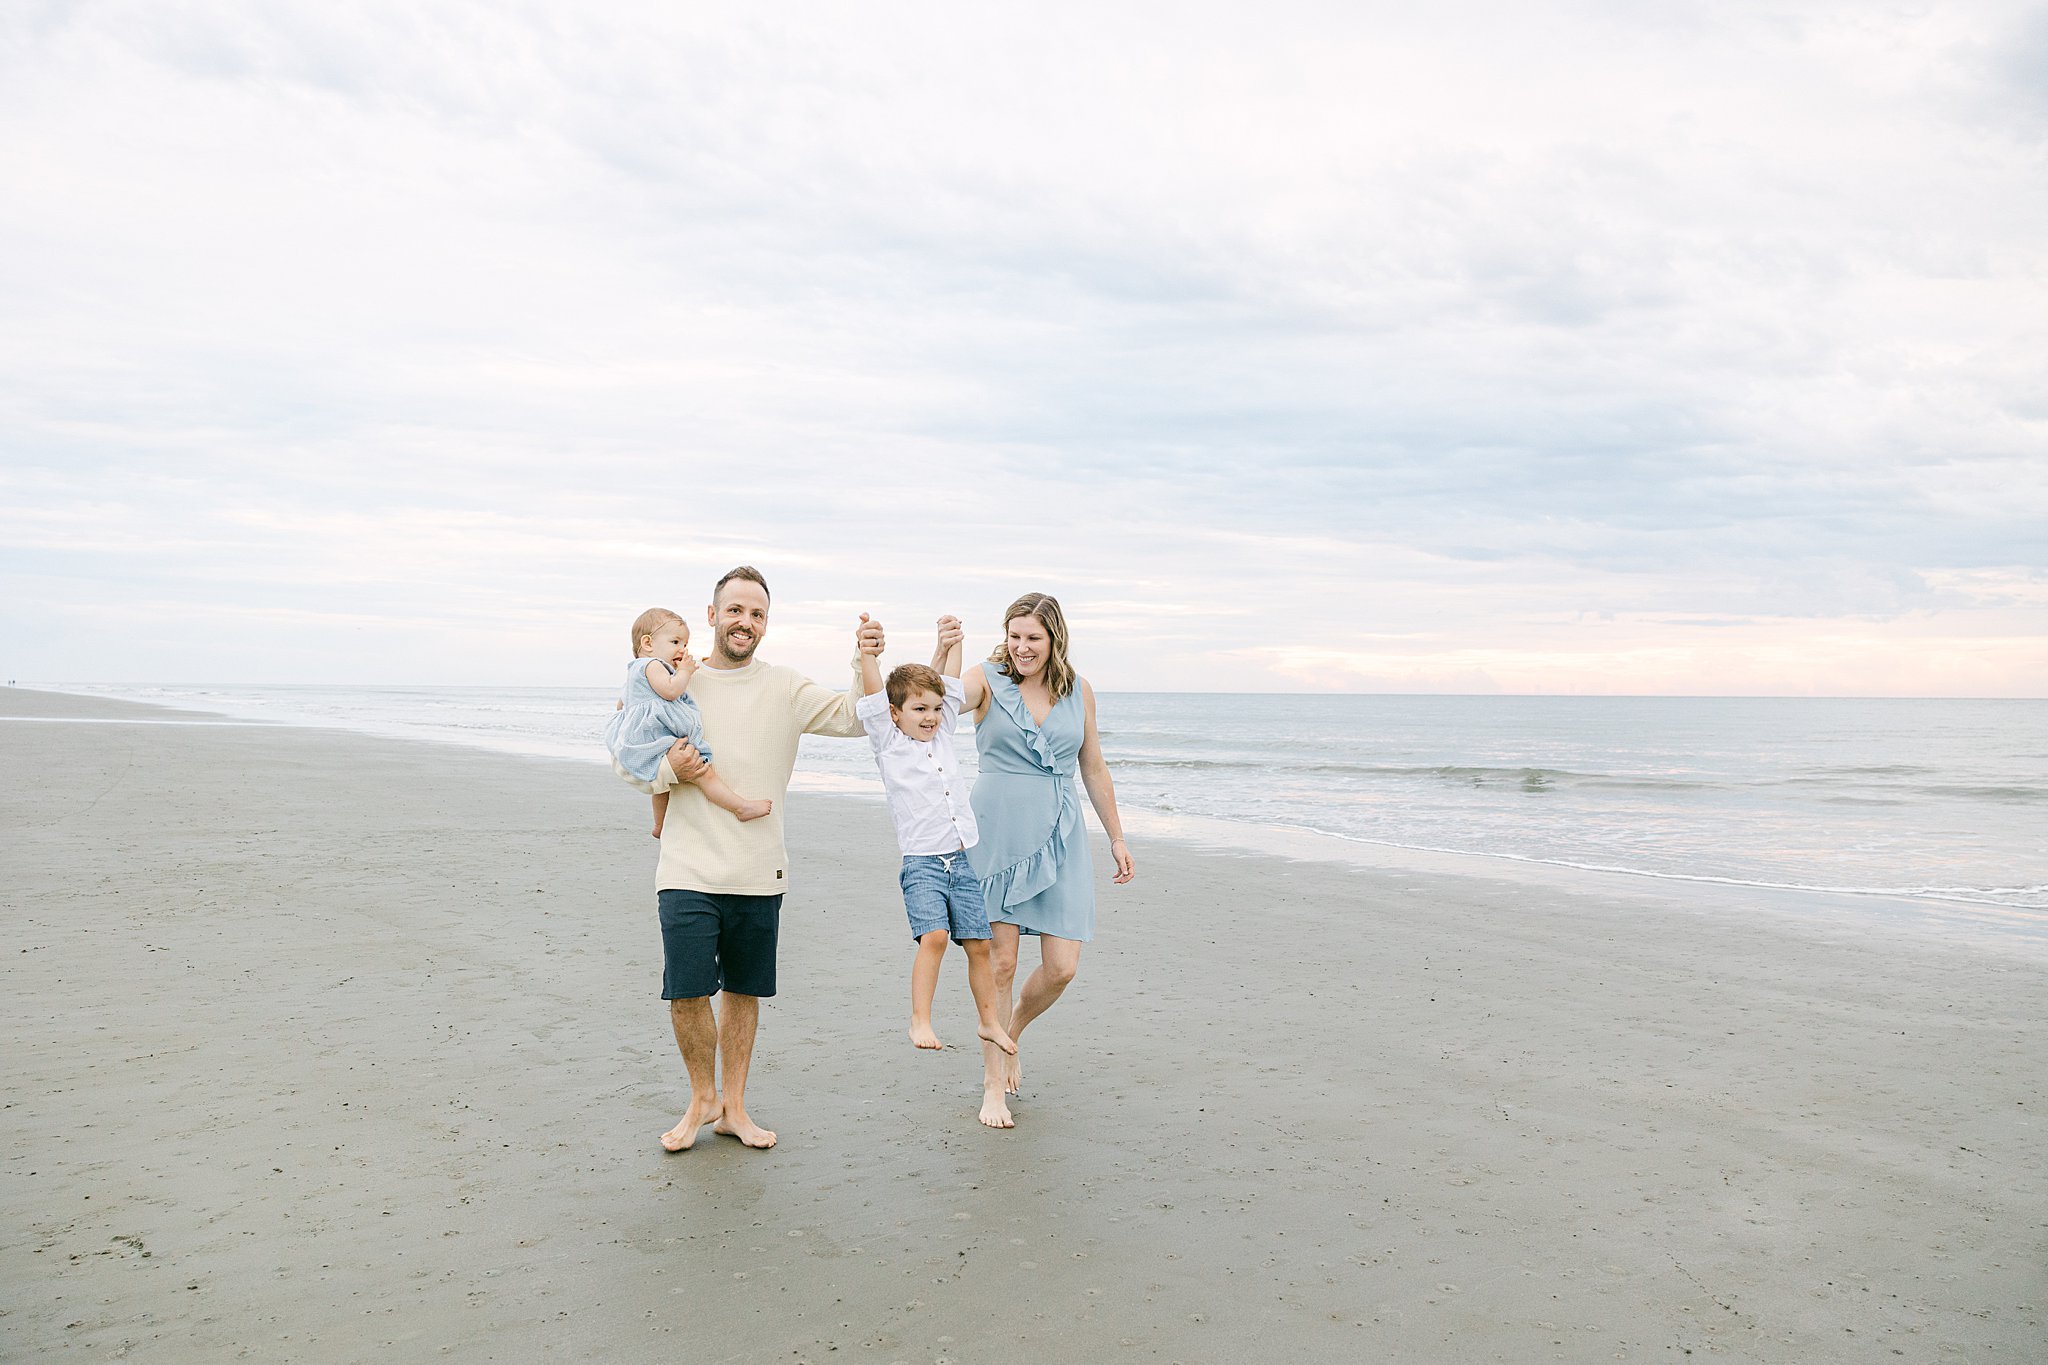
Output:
(712, 942)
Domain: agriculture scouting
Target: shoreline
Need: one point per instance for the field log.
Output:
(1992, 922)
(332, 1047)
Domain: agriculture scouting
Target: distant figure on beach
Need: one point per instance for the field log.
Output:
(1035, 724)
(720, 882)
(655, 711)
(910, 720)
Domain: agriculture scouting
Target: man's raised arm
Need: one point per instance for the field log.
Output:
(820, 710)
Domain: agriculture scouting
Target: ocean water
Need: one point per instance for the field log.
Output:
(1934, 800)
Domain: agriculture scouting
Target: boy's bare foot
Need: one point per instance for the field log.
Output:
(745, 1129)
(922, 1035)
(995, 1110)
(753, 810)
(683, 1136)
(993, 1033)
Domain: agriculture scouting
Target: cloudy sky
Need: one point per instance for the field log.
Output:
(1492, 346)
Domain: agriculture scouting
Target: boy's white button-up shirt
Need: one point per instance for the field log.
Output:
(927, 795)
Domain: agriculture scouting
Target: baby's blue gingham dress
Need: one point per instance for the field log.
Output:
(639, 735)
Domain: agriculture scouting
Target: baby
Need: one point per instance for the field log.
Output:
(909, 721)
(654, 712)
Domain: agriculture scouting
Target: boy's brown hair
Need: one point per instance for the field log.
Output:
(907, 680)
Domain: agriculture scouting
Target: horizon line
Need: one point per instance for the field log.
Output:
(64, 688)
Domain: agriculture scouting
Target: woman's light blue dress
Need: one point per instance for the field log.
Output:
(640, 733)
(1032, 857)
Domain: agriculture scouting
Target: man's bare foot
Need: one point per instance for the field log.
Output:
(683, 1136)
(995, 1110)
(753, 810)
(922, 1035)
(745, 1129)
(993, 1033)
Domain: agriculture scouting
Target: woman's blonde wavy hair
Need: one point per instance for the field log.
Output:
(1045, 608)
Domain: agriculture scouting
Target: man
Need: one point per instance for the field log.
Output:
(720, 881)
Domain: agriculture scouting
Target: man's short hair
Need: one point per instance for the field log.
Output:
(746, 571)
(907, 680)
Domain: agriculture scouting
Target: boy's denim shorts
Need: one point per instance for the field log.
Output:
(940, 891)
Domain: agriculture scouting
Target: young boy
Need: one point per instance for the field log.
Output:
(911, 727)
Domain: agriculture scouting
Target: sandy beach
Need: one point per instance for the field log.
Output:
(330, 1048)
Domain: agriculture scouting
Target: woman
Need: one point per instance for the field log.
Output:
(1034, 721)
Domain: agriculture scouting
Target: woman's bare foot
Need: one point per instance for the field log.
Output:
(684, 1135)
(922, 1035)
(995, 1110)
(753, 810)
(1013, 1072)
(993, 1033)
(745, 1129)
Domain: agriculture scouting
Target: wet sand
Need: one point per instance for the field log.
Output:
(328, 1048)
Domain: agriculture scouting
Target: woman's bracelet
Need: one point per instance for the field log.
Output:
(1114, 842)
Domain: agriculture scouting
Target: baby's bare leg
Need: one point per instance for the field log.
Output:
(981, 979)
(660, 811)
(726, 799)
(924, 983)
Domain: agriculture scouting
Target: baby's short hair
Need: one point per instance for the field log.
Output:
(907, 680)
(649, 621)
